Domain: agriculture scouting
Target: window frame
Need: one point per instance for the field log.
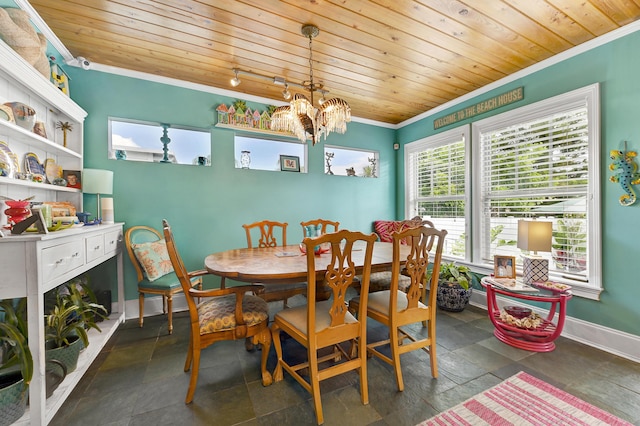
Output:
(435, 141)
(584, 97)
(258, 140)
(111, 149)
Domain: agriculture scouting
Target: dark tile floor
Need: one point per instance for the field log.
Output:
(138, 379)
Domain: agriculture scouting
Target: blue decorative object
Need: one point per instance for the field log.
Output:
(625, 172)
(165, 141)
(452, 297)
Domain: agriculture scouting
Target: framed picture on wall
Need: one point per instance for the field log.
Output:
(504, 266)
(289, 163)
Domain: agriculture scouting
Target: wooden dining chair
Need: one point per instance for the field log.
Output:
(382, 280)
(396, 308)
(224, 314)
(325, 226)
(267, 232)
(327, 324)
(148, 253)
(322, 291)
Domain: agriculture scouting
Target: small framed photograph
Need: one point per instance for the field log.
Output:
(504, 266)
(73, 178)
(289, 163)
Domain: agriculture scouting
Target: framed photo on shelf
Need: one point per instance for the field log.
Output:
(504, 266)
(289, 163)
(73, 178)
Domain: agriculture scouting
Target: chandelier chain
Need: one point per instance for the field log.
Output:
(311, 86)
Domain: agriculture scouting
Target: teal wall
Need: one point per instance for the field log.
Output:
(615, 66)
(207, 206)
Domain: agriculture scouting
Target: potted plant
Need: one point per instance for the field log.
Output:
(16, 362)
(67, 323)
(454, 287)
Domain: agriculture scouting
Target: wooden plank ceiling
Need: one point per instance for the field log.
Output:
(390, 59)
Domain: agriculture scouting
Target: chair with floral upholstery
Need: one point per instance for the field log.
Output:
(225, 314)
(148, 253)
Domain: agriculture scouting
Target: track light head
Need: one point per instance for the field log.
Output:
(235, 81)
(285, 93)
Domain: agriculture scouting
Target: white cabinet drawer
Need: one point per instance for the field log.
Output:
(111, 241)
(95, 247)
(60, 259)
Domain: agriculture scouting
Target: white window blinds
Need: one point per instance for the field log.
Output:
(437, 185)
(540, 163)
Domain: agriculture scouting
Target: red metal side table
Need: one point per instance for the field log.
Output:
(538, 339)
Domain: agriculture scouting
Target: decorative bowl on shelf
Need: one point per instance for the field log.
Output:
(23, 114)
(518, 311)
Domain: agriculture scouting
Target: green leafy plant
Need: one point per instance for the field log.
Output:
(569, 245)
(71, 315)
(451, 274)
(240, 104)
(14, 349)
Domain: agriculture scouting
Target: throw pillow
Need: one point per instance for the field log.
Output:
(154, 259)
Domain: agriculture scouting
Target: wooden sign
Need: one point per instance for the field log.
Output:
(480, 108)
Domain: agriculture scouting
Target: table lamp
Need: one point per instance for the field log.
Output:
(96, 181)
(535, 236)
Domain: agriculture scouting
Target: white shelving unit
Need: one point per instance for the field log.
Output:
(36, 263)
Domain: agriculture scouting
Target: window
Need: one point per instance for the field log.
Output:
(437, 185)
(142, 141)
(542, 161)
(342, 161)
(264, 154)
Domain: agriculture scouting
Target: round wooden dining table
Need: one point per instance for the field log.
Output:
(287, 264)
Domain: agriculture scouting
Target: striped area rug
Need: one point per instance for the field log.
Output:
(524, 400)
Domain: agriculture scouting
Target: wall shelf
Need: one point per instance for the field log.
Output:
(254, 130)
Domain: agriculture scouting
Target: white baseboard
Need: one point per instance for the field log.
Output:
(607, 339)
(153, 306)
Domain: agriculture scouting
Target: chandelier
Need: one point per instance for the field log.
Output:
(301, 117)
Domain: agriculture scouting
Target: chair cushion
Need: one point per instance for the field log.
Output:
(384, 228)
(297, 316)
(153, 258)
(165, 282)
(218, 313)
(379, 302)
(379, 281)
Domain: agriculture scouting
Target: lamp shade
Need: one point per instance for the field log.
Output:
(96, 181)
(534, 235)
